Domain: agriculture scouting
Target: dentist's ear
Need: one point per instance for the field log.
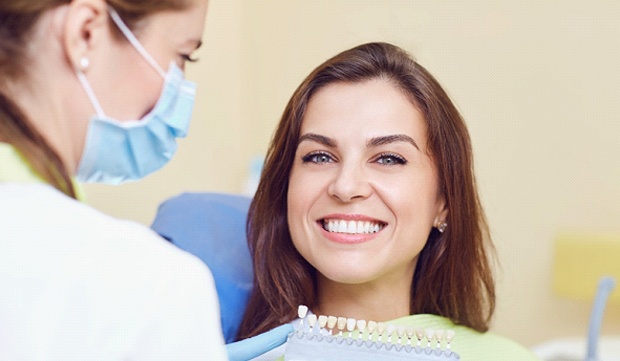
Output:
(86, 24)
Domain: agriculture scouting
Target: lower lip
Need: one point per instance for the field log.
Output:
(347, 238)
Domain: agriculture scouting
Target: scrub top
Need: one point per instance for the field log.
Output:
(76, 284)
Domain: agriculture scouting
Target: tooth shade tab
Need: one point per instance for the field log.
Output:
(439, 336)
(322, 321)
(351, 227)
(410, 334)
(390, 331)
(341, 323)
(311, 321)
(350, 324)
(430, 335)
(331, 321)
(372, 325)
(419, 334)
(449, 337)
(381, 326)
(302, 311)
(400, 331)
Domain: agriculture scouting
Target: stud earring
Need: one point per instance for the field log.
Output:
(441, 227)
(84, 63)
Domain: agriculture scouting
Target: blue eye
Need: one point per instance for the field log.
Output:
(391, 159)
(318, 158)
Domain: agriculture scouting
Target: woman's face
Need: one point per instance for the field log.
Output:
(363, 192)
(127, 85)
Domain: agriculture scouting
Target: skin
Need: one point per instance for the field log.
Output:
(362, 156)
(126, 86)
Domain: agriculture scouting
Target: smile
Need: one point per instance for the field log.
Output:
(351, 227)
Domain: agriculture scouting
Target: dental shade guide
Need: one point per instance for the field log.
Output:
(315, 339)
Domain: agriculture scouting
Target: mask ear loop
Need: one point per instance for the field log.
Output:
(90, 93)
(134, 41)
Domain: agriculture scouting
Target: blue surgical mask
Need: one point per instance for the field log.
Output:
(118, 151)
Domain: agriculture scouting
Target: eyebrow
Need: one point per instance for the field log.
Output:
(374, 142)
(387, 139)
(329, 142)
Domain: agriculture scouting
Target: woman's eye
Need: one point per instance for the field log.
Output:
(318, 158)
(391, 159)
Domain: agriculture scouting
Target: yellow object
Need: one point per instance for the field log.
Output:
(15, 169)
(580, 259)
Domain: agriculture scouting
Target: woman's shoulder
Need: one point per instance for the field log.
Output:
(471, 344)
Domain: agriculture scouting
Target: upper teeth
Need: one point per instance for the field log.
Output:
(353, 227)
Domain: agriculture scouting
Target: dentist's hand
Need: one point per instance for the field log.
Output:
(255, 346)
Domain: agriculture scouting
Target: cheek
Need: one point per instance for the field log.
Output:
(303, 192)
(134, 94)
(415, 205)
(297, 202)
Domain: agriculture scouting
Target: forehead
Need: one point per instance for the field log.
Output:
(369, 108)
(176, 25)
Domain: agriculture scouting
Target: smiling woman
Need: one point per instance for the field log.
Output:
(368, 209)
(369, 175)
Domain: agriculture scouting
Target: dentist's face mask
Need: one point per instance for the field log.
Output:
(116, 151)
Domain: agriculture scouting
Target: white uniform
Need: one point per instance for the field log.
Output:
(76, 284)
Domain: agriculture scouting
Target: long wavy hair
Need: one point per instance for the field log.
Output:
(453, 276)
(18, 19)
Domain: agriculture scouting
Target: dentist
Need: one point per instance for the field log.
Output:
(93, 90)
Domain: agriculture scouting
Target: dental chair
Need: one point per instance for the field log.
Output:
(212, 227)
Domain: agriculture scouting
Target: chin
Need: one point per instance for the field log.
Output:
(348, 276)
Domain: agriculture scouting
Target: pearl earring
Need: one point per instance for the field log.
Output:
(441, 227)
(84, 63)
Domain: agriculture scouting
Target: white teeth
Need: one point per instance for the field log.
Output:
(351, 227)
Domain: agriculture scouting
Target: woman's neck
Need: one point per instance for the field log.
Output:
(377, 301)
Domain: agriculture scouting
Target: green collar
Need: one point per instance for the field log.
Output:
(15, 169)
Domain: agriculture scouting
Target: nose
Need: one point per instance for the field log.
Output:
(350, 183)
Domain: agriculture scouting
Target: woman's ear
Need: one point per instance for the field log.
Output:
(442, 213)
(86, 24)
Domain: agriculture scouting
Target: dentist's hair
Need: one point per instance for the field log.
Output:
(453, 276)
(18, 22)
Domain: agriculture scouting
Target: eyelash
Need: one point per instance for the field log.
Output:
(189, 58)
(398, 160)
(308, 158)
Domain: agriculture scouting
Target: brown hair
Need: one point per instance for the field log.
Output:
(453, 276)
(18, 18)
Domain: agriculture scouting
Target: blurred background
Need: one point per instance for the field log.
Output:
(537, 82)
